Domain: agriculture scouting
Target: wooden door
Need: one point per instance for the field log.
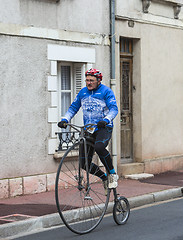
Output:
(126, 63)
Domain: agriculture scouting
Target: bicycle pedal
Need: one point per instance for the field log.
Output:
(88, 198)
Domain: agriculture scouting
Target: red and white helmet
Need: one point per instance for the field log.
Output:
(94, 72)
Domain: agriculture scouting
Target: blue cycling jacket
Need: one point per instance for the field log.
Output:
(99, 104)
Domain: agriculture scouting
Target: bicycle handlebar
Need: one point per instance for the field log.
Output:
(87, 126)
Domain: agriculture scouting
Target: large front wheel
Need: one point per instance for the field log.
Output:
(81, 205)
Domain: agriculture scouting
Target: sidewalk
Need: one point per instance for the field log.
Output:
(27, 213)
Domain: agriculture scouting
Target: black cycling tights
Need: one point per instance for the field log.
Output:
(101, 139)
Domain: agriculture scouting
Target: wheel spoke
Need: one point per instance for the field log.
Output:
(81, 208)
(121, 210)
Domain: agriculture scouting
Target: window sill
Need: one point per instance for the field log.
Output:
(175, 2)
(58, 155)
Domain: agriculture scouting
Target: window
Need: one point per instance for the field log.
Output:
(126, 46)
(126, 59)
(65, 89)
(77, 59)
(71, 80)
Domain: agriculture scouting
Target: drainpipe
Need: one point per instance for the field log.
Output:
(113, 80)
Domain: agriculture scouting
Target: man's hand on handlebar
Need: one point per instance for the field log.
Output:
(103, 123)
(63, 123)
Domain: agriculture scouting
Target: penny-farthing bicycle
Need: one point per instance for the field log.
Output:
(80, 197)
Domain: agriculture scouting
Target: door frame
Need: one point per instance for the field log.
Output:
(126, 55)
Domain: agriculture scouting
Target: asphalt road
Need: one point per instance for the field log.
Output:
(158, 222)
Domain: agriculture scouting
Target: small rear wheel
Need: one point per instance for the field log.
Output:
(121, 210)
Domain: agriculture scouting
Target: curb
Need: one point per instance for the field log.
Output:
(46, 221)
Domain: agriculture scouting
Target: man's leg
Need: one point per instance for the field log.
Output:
(103, 137)
(93, 168)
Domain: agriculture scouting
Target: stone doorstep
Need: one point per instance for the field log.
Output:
(139, 176)
(130, 168)
(154, 166)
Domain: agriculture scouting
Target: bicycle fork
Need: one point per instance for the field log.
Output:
(115, 195)
(87, 186)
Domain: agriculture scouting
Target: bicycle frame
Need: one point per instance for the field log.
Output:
(115, 194)
(91, 203)
(82, 138)
(86, 163)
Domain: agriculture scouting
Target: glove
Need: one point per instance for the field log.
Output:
(63, 123)
(103, 123)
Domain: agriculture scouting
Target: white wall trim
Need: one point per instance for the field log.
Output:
(71, 54)
(53, 68)
(54, 99)
(52, 83)
(52, 115)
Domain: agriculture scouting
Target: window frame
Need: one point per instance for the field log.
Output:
(56, 53)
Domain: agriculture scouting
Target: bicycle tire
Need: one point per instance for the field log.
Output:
(121, 210)
(79, 213)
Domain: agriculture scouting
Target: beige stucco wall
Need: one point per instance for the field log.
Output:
(26, 30)
(161, 91)
(157, 77)
(66, 15)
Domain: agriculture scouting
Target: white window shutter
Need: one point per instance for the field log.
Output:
(79, 76)
(79, 82)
